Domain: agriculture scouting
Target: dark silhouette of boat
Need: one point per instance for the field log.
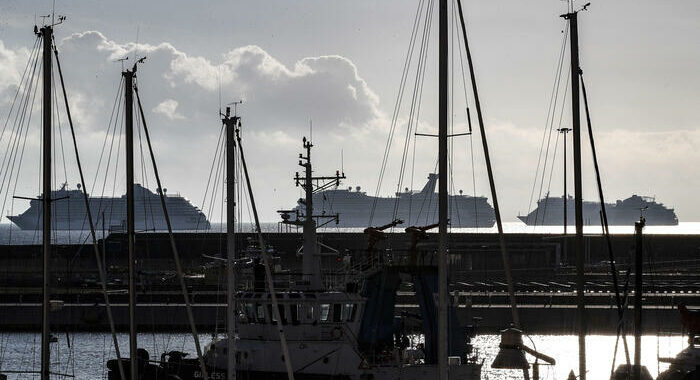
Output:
(550, 212)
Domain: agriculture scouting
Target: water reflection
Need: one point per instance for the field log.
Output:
(90, 351)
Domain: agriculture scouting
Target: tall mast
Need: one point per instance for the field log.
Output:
(310, 268)
(442, 191)
(47, 37)
(230, 124)
(129, 120)
(578, 193)
(638, 294)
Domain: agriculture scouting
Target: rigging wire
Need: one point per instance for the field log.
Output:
(98, 261)
(4, 339)
(397, 105)
(414, 111)
(176, 256)
(471, 138)
(550, 114)
(20, 126)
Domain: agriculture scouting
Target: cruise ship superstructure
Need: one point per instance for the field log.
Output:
(550, 212)
(355, 207)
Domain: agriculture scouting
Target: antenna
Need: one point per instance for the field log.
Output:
(136, 45)
(122, 61)
(235, 106)
(53, 22)
(311, 130)
(219, 80)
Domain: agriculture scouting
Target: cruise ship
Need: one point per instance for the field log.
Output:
(550, 212)
(414, 208)
(68, 212)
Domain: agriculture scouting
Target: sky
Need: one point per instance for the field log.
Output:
(339, 65)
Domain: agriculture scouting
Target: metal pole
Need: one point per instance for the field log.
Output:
(442, 193)
(104, 243)
(638, 293)
(484, 142)
(230, 123)
(129, 128)
(311, 269)
(564, 131)
(578, 193)
(46, 35)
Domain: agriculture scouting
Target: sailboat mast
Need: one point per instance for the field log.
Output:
(230, 124)
(129, 132)
(47, 37)
(638, 294)
(442, 190)
(578, 193)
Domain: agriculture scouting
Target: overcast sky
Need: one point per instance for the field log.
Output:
(339, 64)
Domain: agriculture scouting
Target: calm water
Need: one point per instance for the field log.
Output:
(10, 234)
(86, 360)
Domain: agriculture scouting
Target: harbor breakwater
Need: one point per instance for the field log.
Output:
(542, 267)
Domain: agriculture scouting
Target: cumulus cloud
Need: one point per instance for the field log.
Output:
(180, 95)
(168, 108)
(12, 64)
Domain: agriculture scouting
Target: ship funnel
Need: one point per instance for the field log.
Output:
(429, 187)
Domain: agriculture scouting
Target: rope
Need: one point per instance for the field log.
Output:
(416, 97)
(550, 115)
(606, 230)
(98, 258)
(176, 255)
(397, 106)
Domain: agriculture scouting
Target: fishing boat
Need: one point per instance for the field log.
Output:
(339, 324)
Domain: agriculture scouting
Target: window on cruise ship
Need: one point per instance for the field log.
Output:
(325, 311)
